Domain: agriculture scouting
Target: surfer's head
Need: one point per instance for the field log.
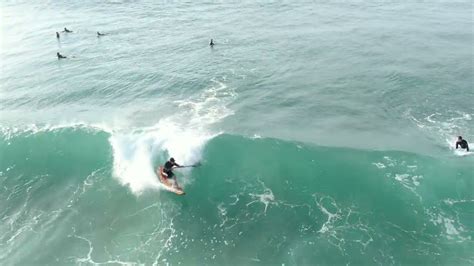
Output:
(460, 138)
(172, 159)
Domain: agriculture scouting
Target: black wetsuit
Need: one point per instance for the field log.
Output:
(168, 167)
(462, 144)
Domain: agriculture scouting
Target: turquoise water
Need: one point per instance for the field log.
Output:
(324, 129)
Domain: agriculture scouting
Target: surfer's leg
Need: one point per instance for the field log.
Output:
(173, 183)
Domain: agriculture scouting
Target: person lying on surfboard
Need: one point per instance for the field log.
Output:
(168, 168)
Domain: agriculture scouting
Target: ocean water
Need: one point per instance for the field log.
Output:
(324, 129)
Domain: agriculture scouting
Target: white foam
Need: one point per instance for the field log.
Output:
(207, 108)
(328, 224)
(447, 125)
(137, 154)
(379, 165)
(449, 226)
(408, 180)
(463, 153)
(133, 164)
(452, 227)
(266, 197)
(8, 132)
(182, 136)
(390, 162)
(451, 202)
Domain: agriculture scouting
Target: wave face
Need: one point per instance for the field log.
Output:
(254, 200)
(358, 103)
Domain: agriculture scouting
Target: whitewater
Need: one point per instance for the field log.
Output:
(324, 131)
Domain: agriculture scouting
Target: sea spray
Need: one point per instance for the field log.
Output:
(137, 154)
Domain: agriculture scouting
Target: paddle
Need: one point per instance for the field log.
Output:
(193, 165)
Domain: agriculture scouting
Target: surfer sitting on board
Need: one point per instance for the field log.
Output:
(462, 143)
(168, 167)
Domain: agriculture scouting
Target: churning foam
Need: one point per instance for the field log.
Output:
(182, 136)
(447, 126)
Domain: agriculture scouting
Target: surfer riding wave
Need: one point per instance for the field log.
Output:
(166, 174)
(168, 168)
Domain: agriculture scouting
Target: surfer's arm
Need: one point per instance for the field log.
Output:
(457, 144)
(467, 147)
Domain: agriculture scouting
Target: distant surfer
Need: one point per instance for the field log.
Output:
(462, 143)
(168, 168)
(60, 56)
(57, 34)
(66, 30)
(211, 43)
(101, 34)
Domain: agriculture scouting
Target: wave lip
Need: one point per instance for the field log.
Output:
(137, 155)
(182, 136)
